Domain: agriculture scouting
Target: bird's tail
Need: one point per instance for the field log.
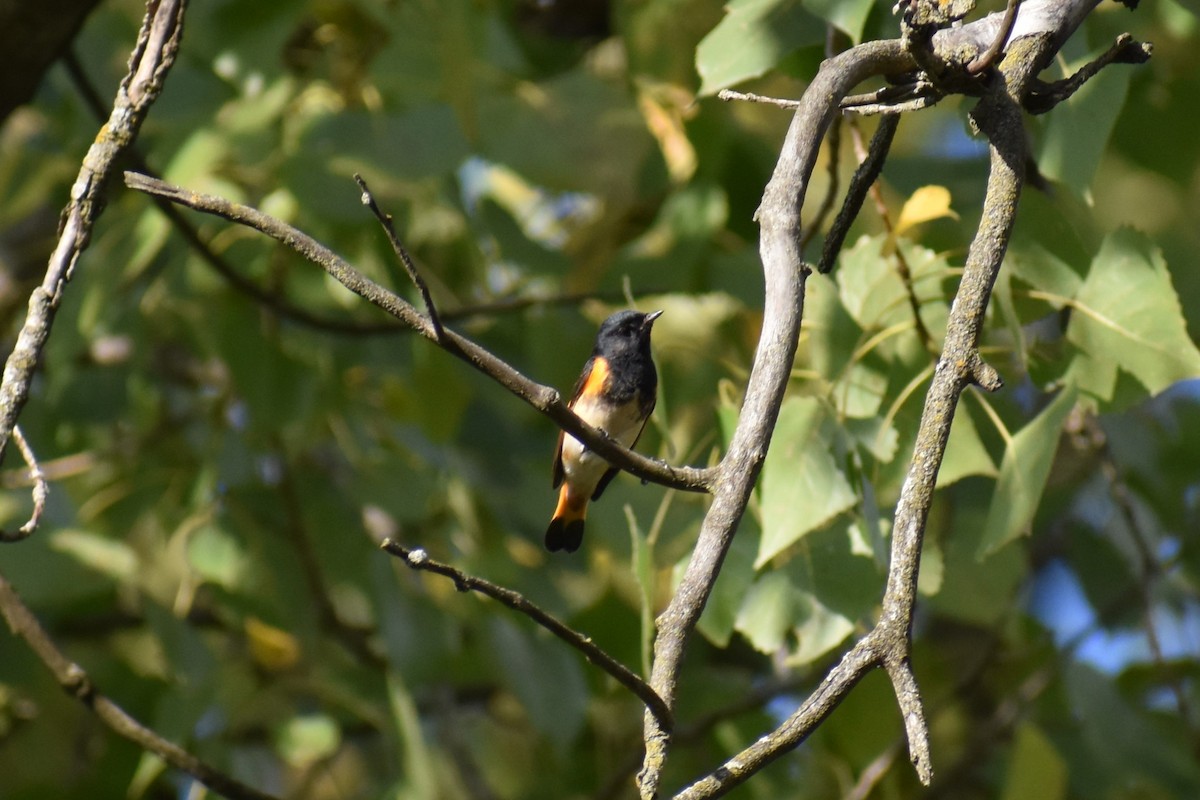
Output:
(566, 527)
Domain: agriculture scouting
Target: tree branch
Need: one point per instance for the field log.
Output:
(401, 252)
(544, 398)
(419, 560)
(153, 55)
(76, 682)
(998, 116)
(779, 218)
(40, 490)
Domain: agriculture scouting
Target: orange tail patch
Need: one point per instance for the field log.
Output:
(566, 528)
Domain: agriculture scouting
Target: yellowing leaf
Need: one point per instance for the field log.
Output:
(926, 204)
(272, 648)
(664, 117)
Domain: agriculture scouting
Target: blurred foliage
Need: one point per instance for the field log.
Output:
(222, 475)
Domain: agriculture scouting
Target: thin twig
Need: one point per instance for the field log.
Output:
(76, 682)
(401, 252)
(1045, 96)
(778, 102)
(40, 490)
(987, 58)
(418, 559)
(1151, 569)
(883, 139)
(864, 178)
(544, 398)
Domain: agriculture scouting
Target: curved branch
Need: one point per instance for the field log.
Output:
(544, 398)
(419, 560)
(76, 682)
(41, 490)
(779, 218)
(888, 645)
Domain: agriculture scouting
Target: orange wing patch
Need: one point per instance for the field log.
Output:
(596, 379)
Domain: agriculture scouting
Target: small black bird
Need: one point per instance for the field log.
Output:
(616, 394)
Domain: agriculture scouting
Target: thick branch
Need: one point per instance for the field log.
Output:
(999, 118)
(420, 560)
(779, 217)
(543, 398)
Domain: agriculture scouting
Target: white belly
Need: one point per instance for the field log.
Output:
(582, 467)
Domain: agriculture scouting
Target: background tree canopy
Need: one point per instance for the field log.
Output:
(229, 433)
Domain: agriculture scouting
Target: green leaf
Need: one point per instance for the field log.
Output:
(1023, 475)
(802, 486)
(216, 556)
(848, 15)
(643, 570)
(308, 738)
(1044, 271)
(769, 611)
(1078, 131)
(1127, 315)
(820, 631)
(420, 778)
(965, 453)
(720, 616)
(1126, 746)
(754, 37)
(545, 676)
(1036, 768)
(106, 556)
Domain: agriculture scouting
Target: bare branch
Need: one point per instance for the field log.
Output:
(40, 490)
(419, 560)
(1045, 96)
(401, 252)
(864, 178)
(76, 682)
(544, 398)
(779, 102)
(779, 217)
(157, 44)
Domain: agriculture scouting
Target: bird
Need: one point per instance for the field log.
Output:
(616, 393)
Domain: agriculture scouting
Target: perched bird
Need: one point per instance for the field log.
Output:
(616, 394)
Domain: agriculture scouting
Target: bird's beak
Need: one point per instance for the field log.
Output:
(653, 315)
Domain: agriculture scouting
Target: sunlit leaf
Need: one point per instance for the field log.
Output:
(754, 36)
(769, 611)
(1128, 316)
(802, 486)
(308, 738)
(965, 453)
(925, 205)
(724, 605)
(273, 649)
(109, 557)
(847, 15)
(216, 556)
